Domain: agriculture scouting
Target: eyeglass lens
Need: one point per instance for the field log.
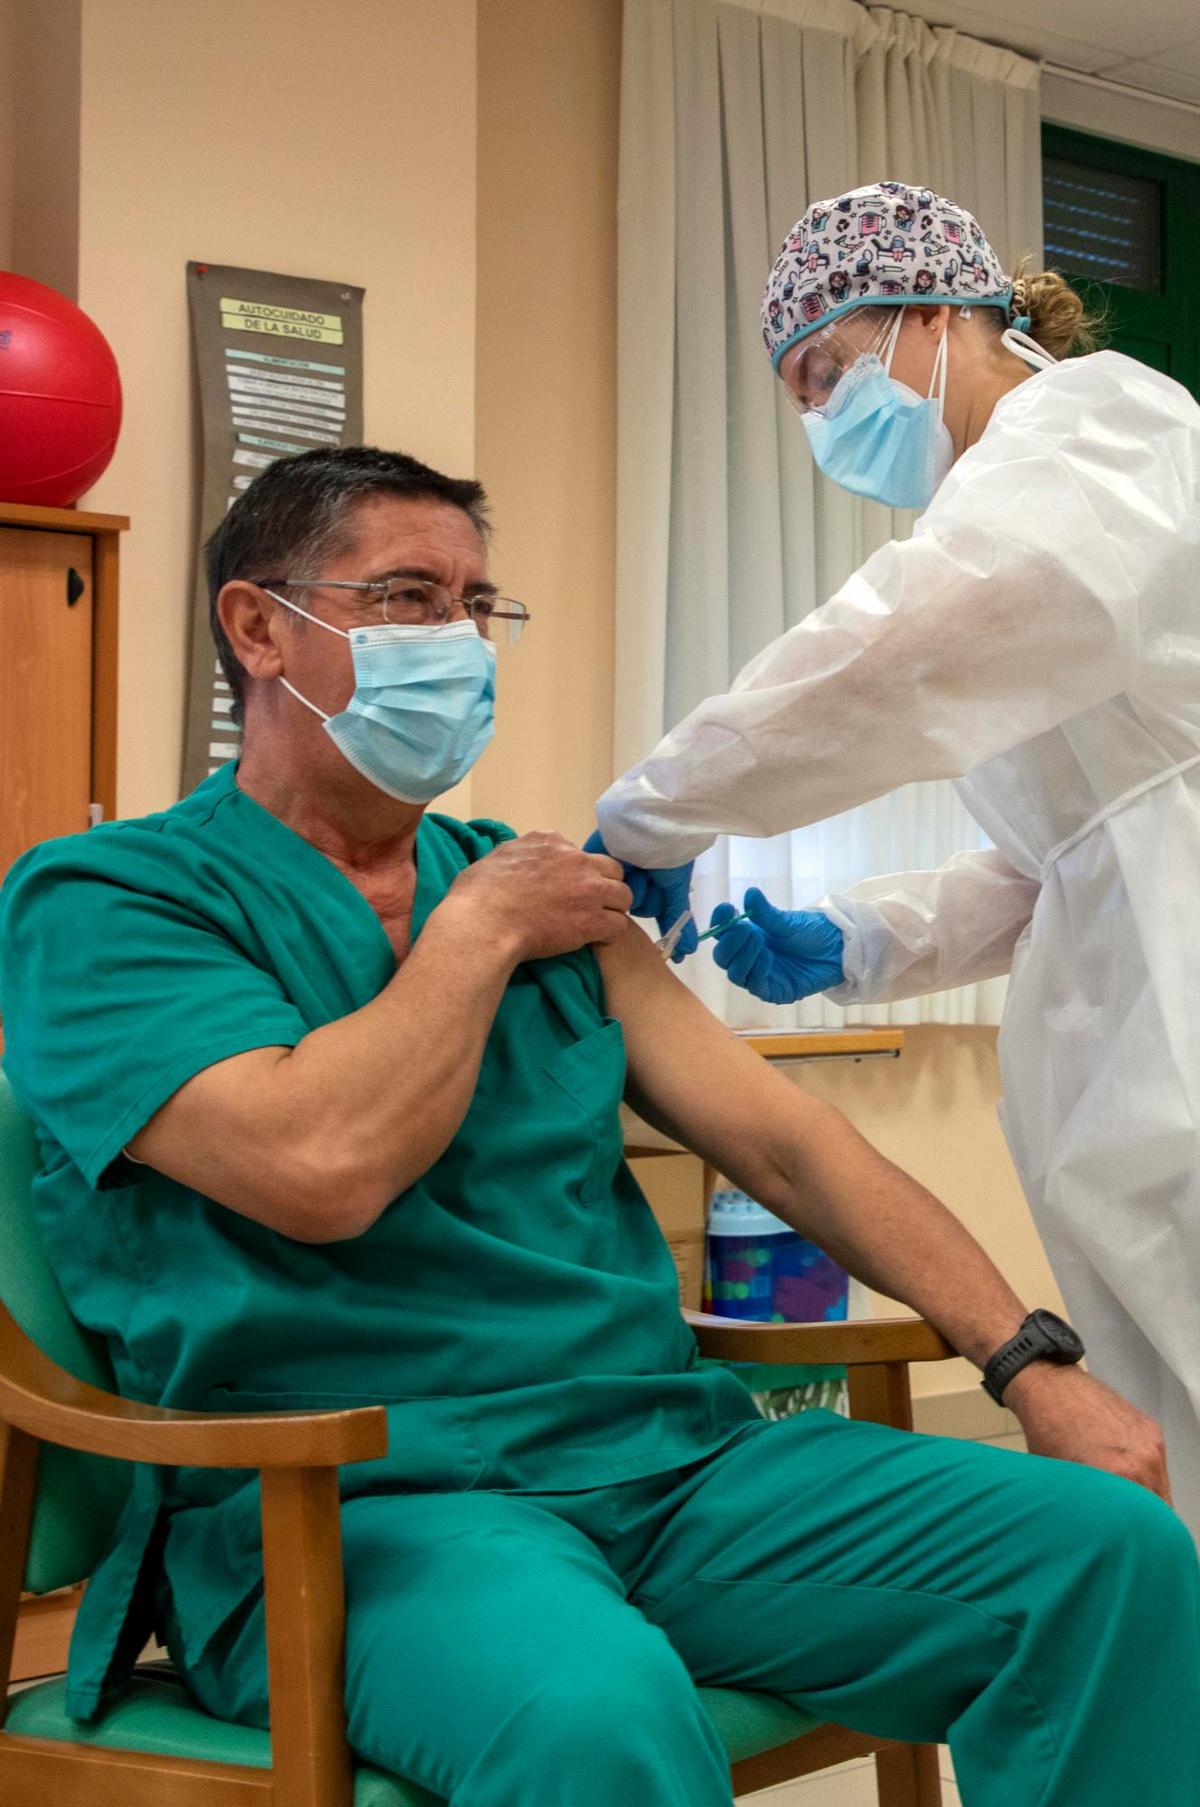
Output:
(413, 603)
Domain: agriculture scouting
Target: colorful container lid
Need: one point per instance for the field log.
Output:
(735, 1213)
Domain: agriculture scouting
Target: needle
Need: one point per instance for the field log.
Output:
(670, 940)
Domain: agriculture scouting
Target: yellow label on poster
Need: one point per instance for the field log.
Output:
(267, 310)
(280, 322)
(282, 329)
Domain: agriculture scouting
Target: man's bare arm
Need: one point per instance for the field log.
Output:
(690, 1077)
(799, 1156)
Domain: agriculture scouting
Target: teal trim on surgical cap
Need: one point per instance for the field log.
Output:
(1003, 300)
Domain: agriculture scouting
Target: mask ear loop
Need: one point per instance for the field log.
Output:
(937, 376)
(329, 627)
(1022, 346)
(303, 699)
(893, 335)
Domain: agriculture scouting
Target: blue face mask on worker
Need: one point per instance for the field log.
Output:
(423, 708)
(877, 438)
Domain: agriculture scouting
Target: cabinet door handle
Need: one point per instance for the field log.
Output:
(75, 586)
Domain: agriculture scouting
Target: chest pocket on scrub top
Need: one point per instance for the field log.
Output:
(592, 1074)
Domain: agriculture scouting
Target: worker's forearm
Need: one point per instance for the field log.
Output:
(916, 932)
(393, 1081)
(887, 1231)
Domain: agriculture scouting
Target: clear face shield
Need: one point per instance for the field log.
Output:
(813, 372)
(868, 432)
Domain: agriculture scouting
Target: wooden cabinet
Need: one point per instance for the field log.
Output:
(58, 769)
(58, 672)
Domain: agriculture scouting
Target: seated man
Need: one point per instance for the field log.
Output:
(328, 1091)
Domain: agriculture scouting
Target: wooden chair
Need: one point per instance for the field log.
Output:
(154, 1747)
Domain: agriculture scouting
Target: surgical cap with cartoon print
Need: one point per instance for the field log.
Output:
(889, 243)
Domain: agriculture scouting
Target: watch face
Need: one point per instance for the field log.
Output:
(1060, 1334)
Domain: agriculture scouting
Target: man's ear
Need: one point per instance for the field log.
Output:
(248, 616)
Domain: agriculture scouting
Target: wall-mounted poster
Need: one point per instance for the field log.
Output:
(279, 363)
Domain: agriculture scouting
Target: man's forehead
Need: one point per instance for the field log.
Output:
(402, 532)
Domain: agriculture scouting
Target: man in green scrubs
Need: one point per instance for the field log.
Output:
(327, 1090)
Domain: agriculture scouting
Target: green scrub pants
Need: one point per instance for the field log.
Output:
(539, 1650)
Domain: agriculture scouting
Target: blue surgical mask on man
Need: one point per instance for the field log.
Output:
(423, 707)
(878, 438)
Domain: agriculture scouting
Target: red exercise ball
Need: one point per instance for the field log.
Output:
(60, 396)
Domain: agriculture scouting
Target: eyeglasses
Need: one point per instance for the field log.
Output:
(416, 602)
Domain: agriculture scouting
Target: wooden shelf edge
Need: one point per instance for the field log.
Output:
(797, 1044)
(68, 520)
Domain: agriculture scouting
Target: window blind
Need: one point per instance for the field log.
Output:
(1103, 225)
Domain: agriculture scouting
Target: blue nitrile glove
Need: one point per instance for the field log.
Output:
(778, 955)
(661, 891)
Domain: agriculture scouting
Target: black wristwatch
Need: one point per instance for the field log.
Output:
(1043, 1337)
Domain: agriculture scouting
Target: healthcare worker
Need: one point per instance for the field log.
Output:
(1038, 641)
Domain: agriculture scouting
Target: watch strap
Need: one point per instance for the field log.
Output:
(1031, 1344)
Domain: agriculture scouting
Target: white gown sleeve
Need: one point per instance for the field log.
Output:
(915, 932)
(1019, 601)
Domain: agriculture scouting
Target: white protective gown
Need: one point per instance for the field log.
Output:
(1037, 640)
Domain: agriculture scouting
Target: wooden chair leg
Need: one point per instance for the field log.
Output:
(908, 1776)
(18, 1478)
(302, 1556)
(880, 1394)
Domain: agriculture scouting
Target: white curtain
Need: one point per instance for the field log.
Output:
(734, 117)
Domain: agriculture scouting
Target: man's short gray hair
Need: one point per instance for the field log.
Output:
(297, 513)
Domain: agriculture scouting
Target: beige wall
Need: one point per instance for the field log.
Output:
(7, 132)
(546, 393)
(1133, 118)
(284, 135)
(44, 138)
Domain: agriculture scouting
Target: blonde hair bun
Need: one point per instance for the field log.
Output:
(1059, 321)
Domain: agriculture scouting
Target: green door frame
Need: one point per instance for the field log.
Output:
(1163, 328)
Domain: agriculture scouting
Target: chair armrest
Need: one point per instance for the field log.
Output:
(865, 1341)
(42, 1399)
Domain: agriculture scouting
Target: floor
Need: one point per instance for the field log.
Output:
(849, 1785)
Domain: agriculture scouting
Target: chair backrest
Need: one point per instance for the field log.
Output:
(79, 1497)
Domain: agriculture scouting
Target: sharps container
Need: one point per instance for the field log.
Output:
(760, 1269)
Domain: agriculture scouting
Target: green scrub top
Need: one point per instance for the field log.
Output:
(516, 1309)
